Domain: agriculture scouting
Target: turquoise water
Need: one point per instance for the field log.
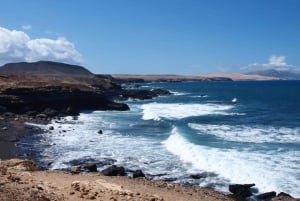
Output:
(227, 132)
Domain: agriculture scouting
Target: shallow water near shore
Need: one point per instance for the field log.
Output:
(225, 132)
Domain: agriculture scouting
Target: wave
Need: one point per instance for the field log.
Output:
(156, 111)
(70, 140)
(269, 171)
(255, 134)
(177, 93)
(200, 96)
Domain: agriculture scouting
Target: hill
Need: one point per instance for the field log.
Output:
(280, 74)
(43, 68)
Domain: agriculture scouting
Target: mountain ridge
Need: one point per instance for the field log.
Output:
(43, 68)
(281, 74)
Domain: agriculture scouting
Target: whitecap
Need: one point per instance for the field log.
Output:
(156, 111)
(270, 171)
(255, 133)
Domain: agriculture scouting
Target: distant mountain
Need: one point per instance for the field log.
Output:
(43, 68)
(281, 74)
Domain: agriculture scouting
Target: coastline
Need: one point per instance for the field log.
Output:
(22, 180)
(13, 128)
(78, 185)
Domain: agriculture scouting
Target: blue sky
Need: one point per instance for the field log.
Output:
(153, 36)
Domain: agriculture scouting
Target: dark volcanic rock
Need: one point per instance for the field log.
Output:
(241, 190)
(140, 94)
(266, 196)
(196, 176)
(138, 173)
(114, 171)
(90, 167)
(284, 194)
(50, 100)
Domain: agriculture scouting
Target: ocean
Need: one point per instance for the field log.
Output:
(210, 134)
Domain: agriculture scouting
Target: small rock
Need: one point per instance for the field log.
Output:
(4, 128)
(75, 170)
(51, 128)
(40, 187)
(100, 132)
(138, 173)
(196, 176)
(90, 167)
(76, 185)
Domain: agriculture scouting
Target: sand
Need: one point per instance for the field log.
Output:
(20, 180)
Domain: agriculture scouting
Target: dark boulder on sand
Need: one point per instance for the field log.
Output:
(266, 196)
(90, 167)
(138, 173)
(241, 190)
(284, 194)
(114, 171)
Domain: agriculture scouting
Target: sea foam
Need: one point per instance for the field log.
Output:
(256, 133)
(156, 111)
(269, 173)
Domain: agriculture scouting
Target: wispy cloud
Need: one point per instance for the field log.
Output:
(17, 46)
(26, 27)
(275, 62)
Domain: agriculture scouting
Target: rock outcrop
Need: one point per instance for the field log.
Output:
(48, 89)
(52, 100)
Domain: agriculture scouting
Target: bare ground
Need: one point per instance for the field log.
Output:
(20, 180)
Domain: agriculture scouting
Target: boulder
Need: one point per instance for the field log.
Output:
(90, 167)
(138, 173)
(284, 194)
(75, 170)
(196, 176)
(114, 171)
(100, 132)
(266, 196)
(241, 190)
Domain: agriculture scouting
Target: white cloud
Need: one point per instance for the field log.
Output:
(26, 27)
(275, 62)
(16, 46)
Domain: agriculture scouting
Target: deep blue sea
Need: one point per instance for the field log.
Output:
(226, 132)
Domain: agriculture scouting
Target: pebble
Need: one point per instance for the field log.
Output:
(4, 128)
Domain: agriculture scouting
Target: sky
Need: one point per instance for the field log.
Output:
(185, 37)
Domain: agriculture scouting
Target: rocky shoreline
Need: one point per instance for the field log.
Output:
(22, 180)
(39, 99)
